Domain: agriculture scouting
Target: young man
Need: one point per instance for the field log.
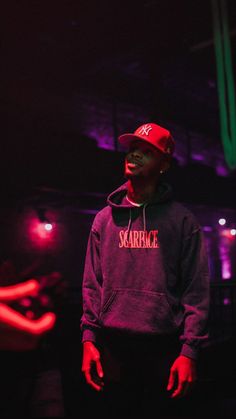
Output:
(145, 286)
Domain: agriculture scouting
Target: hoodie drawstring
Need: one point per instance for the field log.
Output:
(144, 217)
(130, 220)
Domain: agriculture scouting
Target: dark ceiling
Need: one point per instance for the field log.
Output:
(156, 56)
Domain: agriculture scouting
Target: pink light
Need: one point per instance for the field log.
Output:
(43, 230)
(14, 321)
(13, 292)
(48, 226)
(207, 228)
(42, 234)
(224, 252)
(229, 234)
(25, 302)
(30, 314)
(222, 221)
(12, 318)
(226, 301)
(226, 269)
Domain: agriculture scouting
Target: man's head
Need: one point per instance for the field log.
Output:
(150, 149)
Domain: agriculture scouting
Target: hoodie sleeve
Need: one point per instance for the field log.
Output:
(91, 288)
(195, 289)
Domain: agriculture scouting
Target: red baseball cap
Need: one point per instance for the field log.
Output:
(152, 133)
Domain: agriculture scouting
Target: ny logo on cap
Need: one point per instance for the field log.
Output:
(145, 129)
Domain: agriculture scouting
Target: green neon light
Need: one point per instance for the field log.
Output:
(225, 80)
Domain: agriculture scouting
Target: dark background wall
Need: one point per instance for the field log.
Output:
(75, 75)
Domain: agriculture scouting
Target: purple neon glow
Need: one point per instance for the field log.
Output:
(104, 137)
(226, 301)
(207, 228)
(224, 252)
(222, 170)
(197, 157)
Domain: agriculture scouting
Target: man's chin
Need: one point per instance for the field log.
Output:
(129, 175)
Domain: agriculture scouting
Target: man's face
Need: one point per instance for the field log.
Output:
(143, 160)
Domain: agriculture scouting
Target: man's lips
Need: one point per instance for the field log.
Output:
(133, 163)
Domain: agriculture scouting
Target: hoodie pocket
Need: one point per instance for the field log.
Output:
(138, 311)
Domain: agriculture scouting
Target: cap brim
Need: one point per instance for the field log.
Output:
(127, 139)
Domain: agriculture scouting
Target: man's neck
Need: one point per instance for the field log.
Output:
(141, 192)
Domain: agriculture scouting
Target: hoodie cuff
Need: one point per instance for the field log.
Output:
(189, 351)
(89, 335)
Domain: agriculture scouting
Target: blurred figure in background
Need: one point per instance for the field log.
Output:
(30, 379)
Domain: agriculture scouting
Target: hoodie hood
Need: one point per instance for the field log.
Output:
(117, 199)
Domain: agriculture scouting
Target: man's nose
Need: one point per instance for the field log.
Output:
(136, 153)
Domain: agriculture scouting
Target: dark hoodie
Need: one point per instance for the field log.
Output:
(146, 271)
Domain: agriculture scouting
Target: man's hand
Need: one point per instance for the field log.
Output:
(92, 367)
(182, 376)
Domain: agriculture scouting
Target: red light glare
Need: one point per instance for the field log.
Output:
(12, 318)
(42, 230)
(48, 226)
(13, 292)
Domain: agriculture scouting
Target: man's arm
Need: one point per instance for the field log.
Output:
(91, 289)
(195, 292)
(195, 284)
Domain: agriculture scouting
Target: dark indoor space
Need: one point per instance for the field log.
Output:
(75, 75)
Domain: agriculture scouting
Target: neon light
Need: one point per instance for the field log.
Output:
(225, 78)
(224, 252)
(12, 318)
(13, 292)
(17, 320)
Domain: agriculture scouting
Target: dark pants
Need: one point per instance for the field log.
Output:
(26, 390)
(136, 372)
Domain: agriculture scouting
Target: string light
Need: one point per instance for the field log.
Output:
(222, 221)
